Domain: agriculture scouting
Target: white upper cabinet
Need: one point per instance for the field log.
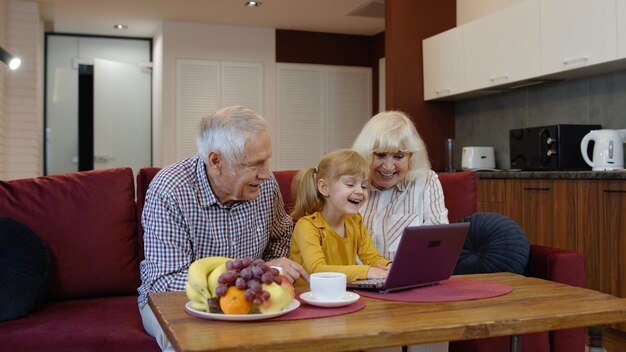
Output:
(443, 63)
(577, 33)
(621, 29)
(505, 47)
(523, 44)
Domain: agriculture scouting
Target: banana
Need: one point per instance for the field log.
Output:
(198, 302)
(215, 274)
(199, 271)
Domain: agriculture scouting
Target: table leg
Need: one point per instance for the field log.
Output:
(596, 338)
(516, 343)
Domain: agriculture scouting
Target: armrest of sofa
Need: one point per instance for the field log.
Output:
(566, 267)
(554, 264)
(144, 177)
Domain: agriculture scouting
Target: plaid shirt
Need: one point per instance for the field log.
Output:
(183, 221)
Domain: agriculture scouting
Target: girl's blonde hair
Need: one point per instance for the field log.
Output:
(390, 132)
(331, 167)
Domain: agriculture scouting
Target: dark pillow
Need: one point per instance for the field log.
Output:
(495, 243)
(25, 270)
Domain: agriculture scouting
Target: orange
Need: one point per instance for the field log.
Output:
(234, 302)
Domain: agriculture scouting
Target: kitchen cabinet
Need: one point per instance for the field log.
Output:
(601, 221)
(577, 33)
(585, 215)
(621, 29)
(527, 43)
(545, 210)
(503, 48)
(443, 60)
(491, 196)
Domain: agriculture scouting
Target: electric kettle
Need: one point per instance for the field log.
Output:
(608, 150)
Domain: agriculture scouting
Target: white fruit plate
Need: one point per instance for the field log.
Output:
(240, 317)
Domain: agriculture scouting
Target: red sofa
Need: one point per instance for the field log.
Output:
(89, 221)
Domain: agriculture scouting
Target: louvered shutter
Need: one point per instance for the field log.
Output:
(300, 117)
(204, 86)
(197, 94)
(349, 105)
(320, 108)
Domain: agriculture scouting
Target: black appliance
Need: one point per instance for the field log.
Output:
(548, 148)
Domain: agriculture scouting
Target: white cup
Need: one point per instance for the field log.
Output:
(328, 286)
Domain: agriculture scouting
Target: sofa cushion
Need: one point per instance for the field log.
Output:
(460, 193)
(99, 324)
(495, 243)
(284, 178)
(88, 221)
(24, 270)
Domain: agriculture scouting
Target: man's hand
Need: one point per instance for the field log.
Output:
(291, 270)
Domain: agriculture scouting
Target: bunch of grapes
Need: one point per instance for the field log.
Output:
(247, 275)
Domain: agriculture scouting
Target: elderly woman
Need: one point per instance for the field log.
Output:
(403, 189)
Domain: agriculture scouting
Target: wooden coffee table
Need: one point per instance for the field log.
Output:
(534, 305)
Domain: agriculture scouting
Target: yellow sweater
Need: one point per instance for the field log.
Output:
(317, 247)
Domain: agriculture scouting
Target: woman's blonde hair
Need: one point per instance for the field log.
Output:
(390, 132)
(331, 167)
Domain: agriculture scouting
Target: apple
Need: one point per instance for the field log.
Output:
(280, 296)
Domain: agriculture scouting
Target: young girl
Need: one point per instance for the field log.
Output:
(329, 232)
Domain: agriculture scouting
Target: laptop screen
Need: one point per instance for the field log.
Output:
(426, 255)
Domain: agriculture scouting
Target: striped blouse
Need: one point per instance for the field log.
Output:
(387, 212)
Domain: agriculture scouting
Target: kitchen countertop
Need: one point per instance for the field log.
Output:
(553, 175)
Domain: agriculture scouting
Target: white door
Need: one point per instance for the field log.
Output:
(122, 127)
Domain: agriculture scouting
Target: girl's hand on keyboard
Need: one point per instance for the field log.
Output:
(377, 273)
(388, 267)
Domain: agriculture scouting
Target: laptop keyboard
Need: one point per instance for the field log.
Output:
(371, 283)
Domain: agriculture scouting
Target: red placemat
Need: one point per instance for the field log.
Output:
(307, 311)
(446, 291)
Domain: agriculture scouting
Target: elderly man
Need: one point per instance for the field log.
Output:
(222, 202)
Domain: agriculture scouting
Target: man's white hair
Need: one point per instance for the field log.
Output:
(227, 131)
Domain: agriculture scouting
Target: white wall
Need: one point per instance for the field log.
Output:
(157, 99)
(23, 92)
(210, 42)
(21, 99)
(469, 10)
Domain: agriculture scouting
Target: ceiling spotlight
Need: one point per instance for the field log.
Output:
(120, 26)
(12, 61)
(252, 4)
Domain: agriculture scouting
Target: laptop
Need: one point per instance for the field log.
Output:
(426, 255)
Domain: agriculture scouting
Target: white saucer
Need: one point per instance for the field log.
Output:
(348, 298)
